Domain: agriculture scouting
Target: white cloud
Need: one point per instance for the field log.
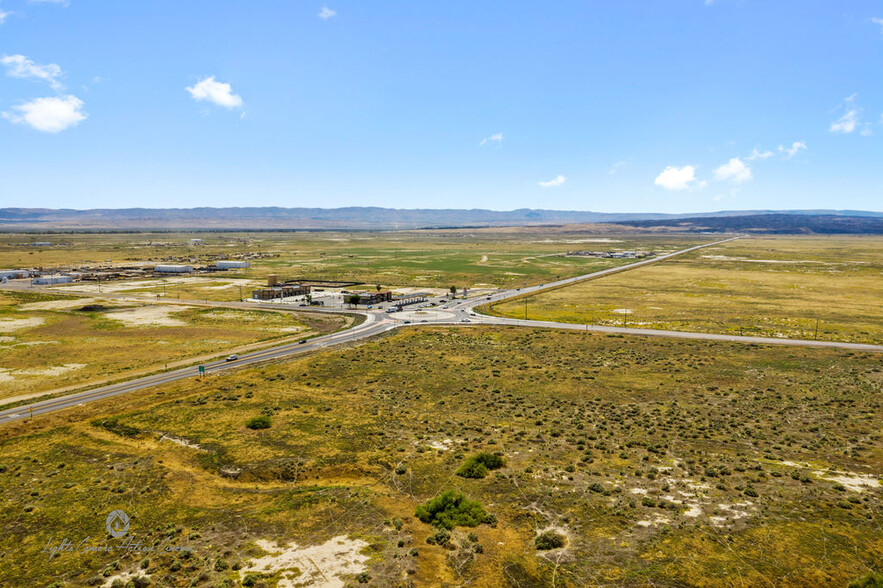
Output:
(3, 16)
(327, 13)
(846, 123)
(215, 92)
(495, 138)
(50, 115)
(678, 178)
(614, 169)
(793, 150)
(734, 170)
(19, 66)
(559, 180)
(878, 21)
(849, 120)
(756, 154)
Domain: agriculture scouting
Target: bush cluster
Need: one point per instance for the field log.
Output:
(479, 464)
(258, 422)
(452, 509)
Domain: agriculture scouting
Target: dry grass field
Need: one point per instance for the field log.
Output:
(657, 463)
(800, 287)
(427, 259)
(49, 342)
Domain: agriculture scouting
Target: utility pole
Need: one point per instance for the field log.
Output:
(816, 336)
(525, 309)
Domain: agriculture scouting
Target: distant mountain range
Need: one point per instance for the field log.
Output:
(374, 218)
(828, 224)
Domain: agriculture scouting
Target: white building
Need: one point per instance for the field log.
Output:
(173, 269)
(231, 264)
(14, 274)
(49, 280)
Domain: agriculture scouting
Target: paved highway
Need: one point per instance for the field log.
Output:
(377, 321)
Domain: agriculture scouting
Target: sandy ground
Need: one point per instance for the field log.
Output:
(148, 316)
(315, 566)
(60, 304)
(852, 481)
(7, 375)
(8, 325)
(125, 285)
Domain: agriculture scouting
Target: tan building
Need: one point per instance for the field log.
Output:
(280, 292)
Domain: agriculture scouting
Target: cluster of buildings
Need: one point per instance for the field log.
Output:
(57, 276)
(612, 254)
(289, 289)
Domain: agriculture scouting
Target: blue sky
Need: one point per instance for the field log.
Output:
(650, 105)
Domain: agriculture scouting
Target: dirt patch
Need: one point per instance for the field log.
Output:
(148, 316)
(57, 304)
(852, 481)
(57, 370)
(316, 565)
(8, 325)
(180, 441)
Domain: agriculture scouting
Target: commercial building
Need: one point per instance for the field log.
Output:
(414, 298)
(49, 280)
(14, 274)
(232, 264)
(173, 269)
(280, 292)
(372, 297)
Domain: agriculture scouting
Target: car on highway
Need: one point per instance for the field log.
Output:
(424, 321)
(302, 341)
(465, 320)
(407, 322)
(233, 357)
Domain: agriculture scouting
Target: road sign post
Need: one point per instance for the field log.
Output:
(202, 370)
